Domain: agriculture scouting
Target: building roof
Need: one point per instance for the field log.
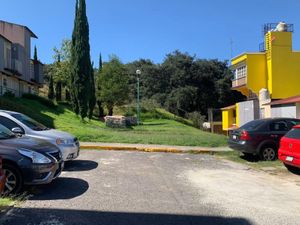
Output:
(32, 34)
(5, 38)
(290, 100)
(229, 107)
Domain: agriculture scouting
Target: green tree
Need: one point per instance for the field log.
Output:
(98, 88)
(51, 88)
(113, 83)
(82, 91)
(35, 57)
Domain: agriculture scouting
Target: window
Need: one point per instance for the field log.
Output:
(4, 82)
(252, 125)
(240, 72)
(9, 123)
(32, 124)
(292, 123)
(279, 126)
(294, 133)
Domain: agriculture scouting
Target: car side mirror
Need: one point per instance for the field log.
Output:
(17, 130)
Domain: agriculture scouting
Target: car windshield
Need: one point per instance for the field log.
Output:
(6, 133)
(252, 125)
(32, 124)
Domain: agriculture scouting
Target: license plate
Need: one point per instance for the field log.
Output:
(234, 137)
(289, 158)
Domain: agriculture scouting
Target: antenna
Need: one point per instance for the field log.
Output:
(231, 48)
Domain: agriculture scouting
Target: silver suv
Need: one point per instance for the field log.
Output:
(24, 125)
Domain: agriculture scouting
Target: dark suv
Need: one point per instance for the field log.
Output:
(27, 161)
(261, 137)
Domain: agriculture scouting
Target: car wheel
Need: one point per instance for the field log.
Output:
(14, 181)
(292, 169)
(268, 153)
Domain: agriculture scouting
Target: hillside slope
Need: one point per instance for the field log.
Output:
(153, 131)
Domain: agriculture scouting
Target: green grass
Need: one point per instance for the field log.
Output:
(6, 203)
(164, 129)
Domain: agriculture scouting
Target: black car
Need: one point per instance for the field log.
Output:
(27, 161)
(261, 137)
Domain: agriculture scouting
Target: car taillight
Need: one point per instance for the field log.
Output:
(245, 136)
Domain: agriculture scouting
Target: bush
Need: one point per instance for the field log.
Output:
(196, 118)
(40, 99)
(9, 94)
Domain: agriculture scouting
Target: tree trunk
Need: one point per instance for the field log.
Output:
(58, 91)
(110, 110)
(68, 97)
(100, 108)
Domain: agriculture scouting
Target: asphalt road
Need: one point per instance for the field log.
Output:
(136, 188)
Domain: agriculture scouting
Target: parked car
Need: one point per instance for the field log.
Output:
(24, 125)
(2, 177)
(289, 151)
(261, 137)
(28, 161)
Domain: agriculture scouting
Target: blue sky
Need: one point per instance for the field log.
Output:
(134, 29)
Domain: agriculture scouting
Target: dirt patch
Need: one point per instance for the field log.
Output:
(247, 192)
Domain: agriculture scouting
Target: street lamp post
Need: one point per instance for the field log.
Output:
(138, 111)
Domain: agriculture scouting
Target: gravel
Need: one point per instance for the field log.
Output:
(136, 188)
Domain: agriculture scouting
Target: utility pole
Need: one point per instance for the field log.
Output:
(138, 110)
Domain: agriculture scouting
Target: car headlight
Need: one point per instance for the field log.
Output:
(36, 157)
(61, 141)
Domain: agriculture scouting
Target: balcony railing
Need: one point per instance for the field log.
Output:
(239, 82)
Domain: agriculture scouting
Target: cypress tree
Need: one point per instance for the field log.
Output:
(35, 57)
(82, 72)
(51, 89)
(100, 63)
(99, 102)
(73, 60)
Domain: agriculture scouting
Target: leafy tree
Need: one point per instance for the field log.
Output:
(113, 83)
(51, 88)
(82, 90)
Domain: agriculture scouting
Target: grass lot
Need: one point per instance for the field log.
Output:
(165, 129)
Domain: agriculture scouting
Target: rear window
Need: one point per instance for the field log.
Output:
(252, 125)
(293, 133)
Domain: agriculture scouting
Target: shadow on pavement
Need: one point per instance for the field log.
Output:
(80, 165)
(26, 216)
(61, 188)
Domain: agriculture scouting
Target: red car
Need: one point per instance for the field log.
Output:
(289, 151)
(2, 177)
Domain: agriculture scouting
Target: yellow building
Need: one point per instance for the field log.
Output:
(272, 73)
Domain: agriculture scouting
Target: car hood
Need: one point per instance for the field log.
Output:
(52, 133)
(29, 143)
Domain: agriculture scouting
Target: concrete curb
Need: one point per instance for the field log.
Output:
(143, 149)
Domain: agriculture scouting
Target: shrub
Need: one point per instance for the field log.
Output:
(40, 99)
(196, 118)
(9, 94)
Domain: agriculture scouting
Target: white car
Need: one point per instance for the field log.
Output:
(24, 125)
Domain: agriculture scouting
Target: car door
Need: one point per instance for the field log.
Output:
(278, 129)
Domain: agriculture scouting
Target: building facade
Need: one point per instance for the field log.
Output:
(19, 74)
(263, 77)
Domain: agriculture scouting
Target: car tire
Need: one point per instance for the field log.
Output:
(14, 179)
(292, 169)
(268, 153)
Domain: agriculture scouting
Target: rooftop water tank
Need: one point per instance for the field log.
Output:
(281, 27)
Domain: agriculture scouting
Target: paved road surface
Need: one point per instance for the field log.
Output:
(135, 188)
